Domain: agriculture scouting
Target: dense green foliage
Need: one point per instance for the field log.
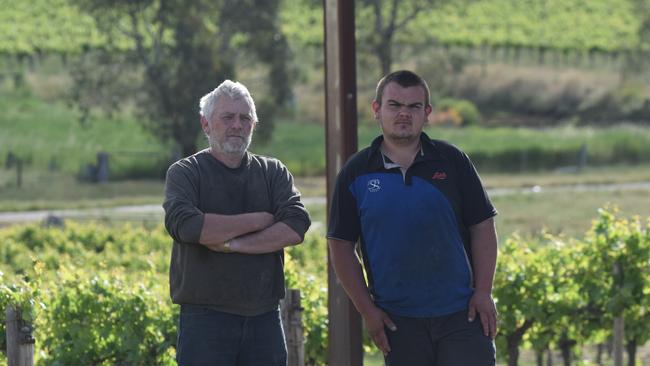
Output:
(100, 294)
(53, 26)
(56, 26)
(560, 293)
(593, 25)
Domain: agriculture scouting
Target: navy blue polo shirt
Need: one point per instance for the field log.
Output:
(412, 227)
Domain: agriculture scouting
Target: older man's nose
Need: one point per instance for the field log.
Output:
(237, 122)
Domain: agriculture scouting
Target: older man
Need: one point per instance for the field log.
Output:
(230, 213)
(426, 233)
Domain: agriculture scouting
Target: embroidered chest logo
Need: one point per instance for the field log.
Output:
(373, 185)
(439, 176)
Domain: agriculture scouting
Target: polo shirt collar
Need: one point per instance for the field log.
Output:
(428, 151)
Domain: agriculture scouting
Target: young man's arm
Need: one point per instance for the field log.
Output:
(348, 270)
(484, 257)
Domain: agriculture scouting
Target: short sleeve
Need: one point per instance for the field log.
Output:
(344, 221)
(476, 205)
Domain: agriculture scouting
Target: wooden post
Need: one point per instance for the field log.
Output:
(20, 344)
(619, 336)
(344, 327)
(292, 322)
(102, 167)
(582, 157)
(19, 172)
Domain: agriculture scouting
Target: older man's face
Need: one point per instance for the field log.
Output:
(231, 126)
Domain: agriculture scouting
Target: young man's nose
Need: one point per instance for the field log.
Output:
(404, 111)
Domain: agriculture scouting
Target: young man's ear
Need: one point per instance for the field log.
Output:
(375, 108)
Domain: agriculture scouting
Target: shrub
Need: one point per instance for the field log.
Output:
(456, 112)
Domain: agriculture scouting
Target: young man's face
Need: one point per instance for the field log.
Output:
(231, 126)
(403, 112)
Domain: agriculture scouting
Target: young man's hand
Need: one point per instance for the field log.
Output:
(483, 304)
(376, 321)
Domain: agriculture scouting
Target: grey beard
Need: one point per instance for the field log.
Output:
(231, 148)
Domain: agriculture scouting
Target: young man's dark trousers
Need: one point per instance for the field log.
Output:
(449, 340)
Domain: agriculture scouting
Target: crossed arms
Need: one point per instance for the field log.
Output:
(250, 233)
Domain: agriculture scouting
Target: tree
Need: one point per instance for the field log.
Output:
(176, 51)
(390, 17)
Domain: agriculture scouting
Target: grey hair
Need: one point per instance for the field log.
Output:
(234, 90)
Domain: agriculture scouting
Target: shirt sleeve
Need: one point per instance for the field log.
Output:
(288, 208)
(476, 205)
(344, 222)
(183, 219)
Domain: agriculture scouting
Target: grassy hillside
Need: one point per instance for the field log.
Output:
(50, 136)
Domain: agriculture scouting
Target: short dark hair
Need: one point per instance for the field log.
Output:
(405, 79)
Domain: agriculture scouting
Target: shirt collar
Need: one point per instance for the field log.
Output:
(377, 159)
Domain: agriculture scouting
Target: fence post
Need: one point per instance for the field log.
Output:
(20, 343)
(582, 157)
(19, 172)
(292, 322)
(102, 167)
(619, 339)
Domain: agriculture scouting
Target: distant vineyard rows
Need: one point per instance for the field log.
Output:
(55, 26)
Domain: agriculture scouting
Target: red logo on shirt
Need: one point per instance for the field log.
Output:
(439, 176)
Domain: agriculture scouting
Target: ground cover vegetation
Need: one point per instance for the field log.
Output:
(98, 294)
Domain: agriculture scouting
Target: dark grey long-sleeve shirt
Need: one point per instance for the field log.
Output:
(236, 283)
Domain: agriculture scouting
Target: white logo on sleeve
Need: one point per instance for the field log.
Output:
(373, 185)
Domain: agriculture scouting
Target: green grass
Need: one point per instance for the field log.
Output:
(46, 191)
(301, 146)
(50, 134)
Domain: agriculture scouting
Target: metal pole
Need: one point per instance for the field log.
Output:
(345, 346)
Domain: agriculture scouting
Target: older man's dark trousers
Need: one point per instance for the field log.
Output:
(212, 338)
(449, 340)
